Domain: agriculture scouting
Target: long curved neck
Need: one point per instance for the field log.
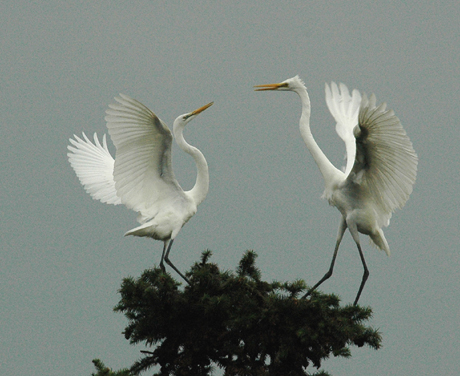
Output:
(201, 187)
(328, 170)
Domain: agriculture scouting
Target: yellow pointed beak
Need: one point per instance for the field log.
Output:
(269, 87)
(201, 109)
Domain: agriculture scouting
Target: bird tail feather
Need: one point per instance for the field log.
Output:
(378, 239)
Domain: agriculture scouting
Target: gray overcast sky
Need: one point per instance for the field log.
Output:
(63, 255)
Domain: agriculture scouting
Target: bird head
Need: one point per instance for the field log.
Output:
(185, 118)
(291, 84)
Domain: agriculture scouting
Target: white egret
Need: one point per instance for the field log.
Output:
(381, 164)
(141, 176)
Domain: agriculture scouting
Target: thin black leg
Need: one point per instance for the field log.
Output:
(172, 265)
(162, 266)
(341, 231)
(365, 275)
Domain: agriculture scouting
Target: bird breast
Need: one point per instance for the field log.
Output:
(354, 206)
(165, 220)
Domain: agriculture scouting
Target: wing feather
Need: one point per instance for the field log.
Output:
(386, 163)
(93, 165)
(142, 171)
(344, 108)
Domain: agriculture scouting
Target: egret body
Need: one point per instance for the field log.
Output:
(381, 164)
(141, 175)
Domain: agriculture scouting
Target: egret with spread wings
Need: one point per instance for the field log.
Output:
(141, 175)
(381, 164)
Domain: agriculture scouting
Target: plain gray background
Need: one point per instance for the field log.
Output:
(63, 255)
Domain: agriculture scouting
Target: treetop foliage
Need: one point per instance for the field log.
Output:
(235, 321)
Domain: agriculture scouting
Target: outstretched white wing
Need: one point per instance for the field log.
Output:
(344, 108)
(386, 163)
(142, 173)
(93, 165)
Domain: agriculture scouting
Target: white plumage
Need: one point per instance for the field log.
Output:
(93, 165)
(141, 176)
(381, 164)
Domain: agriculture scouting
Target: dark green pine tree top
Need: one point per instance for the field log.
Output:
(235, 321)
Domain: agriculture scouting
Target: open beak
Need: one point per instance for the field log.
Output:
(201, 109)
(269, 87)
